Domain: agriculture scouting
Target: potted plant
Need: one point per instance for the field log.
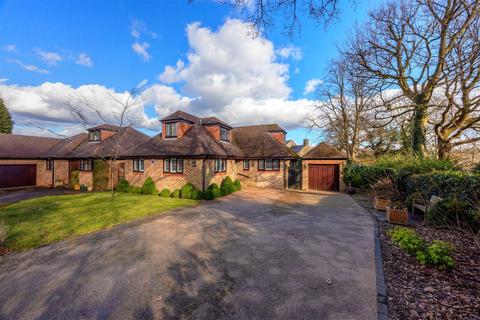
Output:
(381, 203)
(83, 187)
(89, 188)
(397, 214)
(75, 180)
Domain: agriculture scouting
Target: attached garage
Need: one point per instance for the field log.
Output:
(324, 177)
(18, 175)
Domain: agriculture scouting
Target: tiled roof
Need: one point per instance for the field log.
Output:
(65, 146)
(273, 127)
(214, 120)
(182, 116)
(324, 151)
(107, 127)
(24, 147)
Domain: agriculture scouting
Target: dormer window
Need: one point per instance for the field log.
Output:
(223, 134)
(94, 136)
(171, 130)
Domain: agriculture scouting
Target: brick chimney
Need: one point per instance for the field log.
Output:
(305, 142)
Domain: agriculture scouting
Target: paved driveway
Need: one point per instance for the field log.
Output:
(256, 254)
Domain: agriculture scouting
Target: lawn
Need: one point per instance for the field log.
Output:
(39, 221)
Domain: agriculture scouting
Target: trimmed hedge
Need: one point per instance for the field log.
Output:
(176, 193)
(122, 186)
(227, 186)
(133, 189)
(100, 175)
(237, 185)
(186, 191)
(165, 193)
(213, 192)
(197, 194)
(149, 187)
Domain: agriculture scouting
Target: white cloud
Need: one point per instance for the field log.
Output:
(312, 85)
(142, 84)
(141, 48)
(290, 51)
(139, 27)
(49, 57)
(9, 48)
(31, 67)
(84, 60)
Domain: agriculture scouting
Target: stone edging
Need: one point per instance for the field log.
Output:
(382, 299)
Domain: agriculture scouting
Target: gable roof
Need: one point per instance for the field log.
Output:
(181, 115)
(107, 127)
(256, 142)
(24, 147)
(214, 120)
(324, 151)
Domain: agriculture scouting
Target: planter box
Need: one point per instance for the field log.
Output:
(397, 216)
(381, 204)
(76, 186)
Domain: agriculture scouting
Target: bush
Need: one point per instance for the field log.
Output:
(237, 185)
(75, 177)
(149, 187)
(227, 186)
(438, 254)
(476, 169)
(453, 212)
(213, 192)
(176, 193)
(100, 175)
(3, 232)
(133, 189)
(122, 186)
(197, 194)
(407, 239)
(165, 193)
(363, 176)
(186, 191)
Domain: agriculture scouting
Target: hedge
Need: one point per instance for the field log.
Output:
(133, 189)
(165, 193)
(149, 187)
(197, 194)
(186, 191)
(122, 186)
(237, 185)
(176, 193)
(227, 186)
(212, 192)
(100, 175)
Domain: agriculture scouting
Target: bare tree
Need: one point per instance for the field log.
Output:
(405, 46)
(457, 110)
(89, 115)
(342, 110)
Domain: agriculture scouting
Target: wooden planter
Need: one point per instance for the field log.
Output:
(381, 204)
(76, 186)
(397, 216)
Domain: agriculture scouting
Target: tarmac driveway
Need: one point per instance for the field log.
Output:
(256, 254)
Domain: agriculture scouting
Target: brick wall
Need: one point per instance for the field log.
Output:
(86, 178)
(257, 178)
(279, 136)
(61, 172)
(105, 134)
(182, 128)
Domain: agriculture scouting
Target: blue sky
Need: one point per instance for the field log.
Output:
(115, 45)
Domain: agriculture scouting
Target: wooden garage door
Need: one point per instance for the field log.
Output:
(323, 177)
(19, 175)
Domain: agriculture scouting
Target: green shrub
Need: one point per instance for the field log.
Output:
(411, 197)
(212, 192)
(197, 194)
(176, 193)
(453, 212)
(226, 186)
(476, 169)
(407, 239)
(237, 185)
(133, 189)
(149, 187)
(122, 186)
(165, 193)
(75, 177)
(186, 191)
(100, 175)
(438, 254)
(363, 176)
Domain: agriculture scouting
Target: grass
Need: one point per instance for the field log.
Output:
(39, 221)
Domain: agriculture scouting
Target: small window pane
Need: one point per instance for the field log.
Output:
(246, 165)
(276, 164)
(261, 164)
(166, 165)
(173, 165)
(268, 164)
(180, 165)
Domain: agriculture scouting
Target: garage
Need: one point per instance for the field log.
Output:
(18, 175)
(323, 177)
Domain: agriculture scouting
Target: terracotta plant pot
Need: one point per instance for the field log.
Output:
(76, 186)
(89, 188)
(381, 204)
(397, 216)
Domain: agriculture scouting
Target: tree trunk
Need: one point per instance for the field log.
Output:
(443, 149)
(419, 130)
(112, 164)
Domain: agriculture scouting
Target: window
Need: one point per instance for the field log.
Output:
(220, 165)
(94, 135)
(173, 165)
(49, 164)
(86, 165)
(269, 164)
(224, 134)
(171, 130)
(138, 165)
(246, 165)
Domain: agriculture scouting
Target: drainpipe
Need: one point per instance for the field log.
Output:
(53, 174)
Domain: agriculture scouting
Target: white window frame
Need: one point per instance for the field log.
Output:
(224, 134)
(246, 164)
(269, 164)
(170, 130)
(138, 165)
(173, 165)
(86, 165)
(220, 165)
(95, 135)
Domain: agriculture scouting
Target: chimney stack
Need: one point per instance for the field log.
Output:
(305, 142)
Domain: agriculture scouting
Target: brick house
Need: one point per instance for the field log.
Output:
(189, 149)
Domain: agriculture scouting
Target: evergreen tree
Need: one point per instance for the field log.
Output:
(6, 123)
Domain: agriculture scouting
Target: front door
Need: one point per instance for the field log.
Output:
(324, 177)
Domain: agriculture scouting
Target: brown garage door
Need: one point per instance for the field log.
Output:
(12, 176)
(323, 177)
